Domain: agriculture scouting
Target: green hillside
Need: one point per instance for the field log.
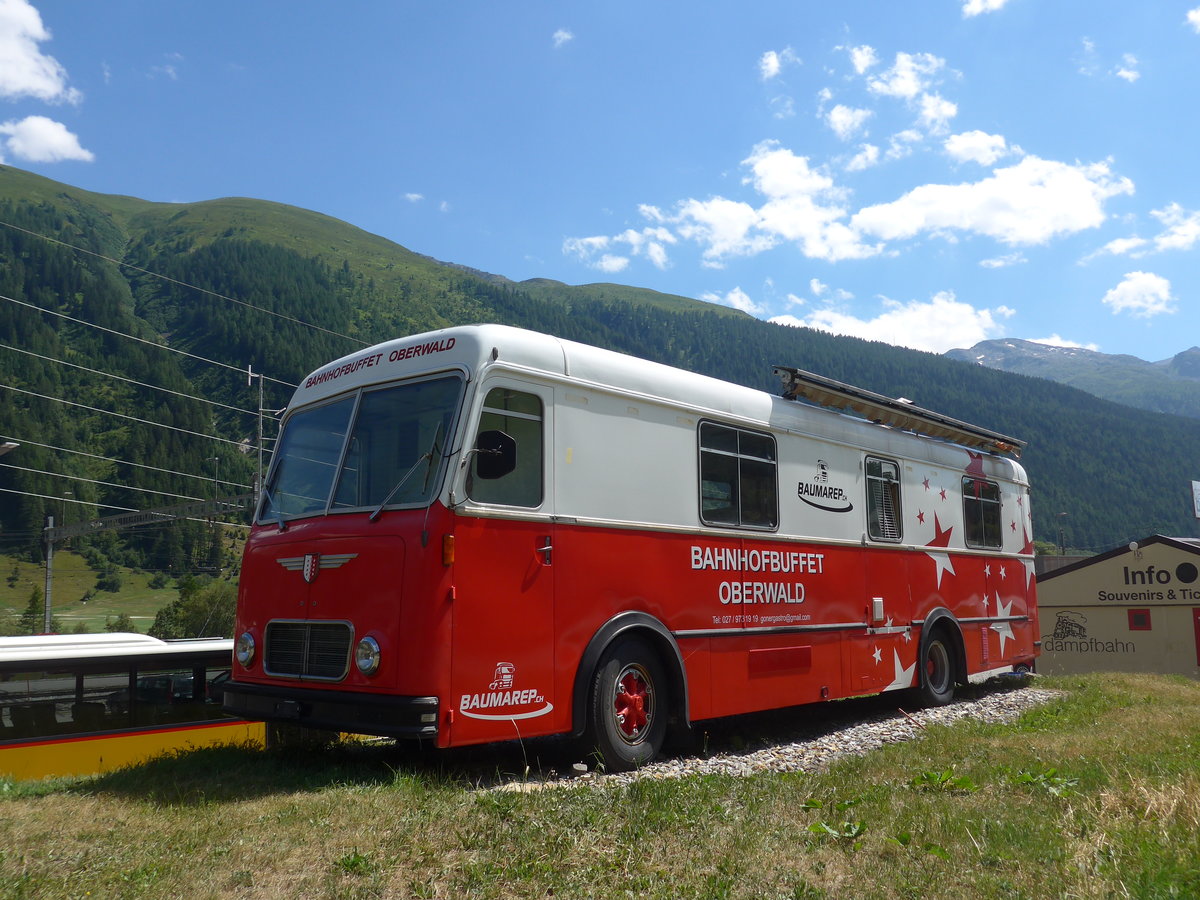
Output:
(270, 271)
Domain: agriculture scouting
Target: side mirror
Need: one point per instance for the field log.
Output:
(495, 454)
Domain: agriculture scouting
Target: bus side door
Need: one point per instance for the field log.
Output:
(502, 660)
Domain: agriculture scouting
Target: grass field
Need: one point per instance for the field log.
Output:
(73, 579)
(1095, 795)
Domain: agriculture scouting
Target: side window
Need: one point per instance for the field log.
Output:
(883, 500)
(981, 513)
(738, 486)
(519, 415)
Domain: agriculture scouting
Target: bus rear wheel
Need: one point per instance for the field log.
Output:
(628, 706)
(937, 671)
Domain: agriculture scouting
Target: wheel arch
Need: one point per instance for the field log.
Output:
(941, 619)
(624, 625)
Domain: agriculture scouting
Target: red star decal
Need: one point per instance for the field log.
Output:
(975, 466)
(926, 483)
(940, 538)
(921, 516)
(1012, 525)
(942, 492)
(1027, 550)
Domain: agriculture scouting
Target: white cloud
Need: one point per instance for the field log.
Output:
(24, 70)
(1057, 341)
(862, 58)
(724, 227)
(783, 107)
(976, 146)
(612, 263)
(738, 299)
(1028, 203)
(847, 121)
(771, 63)
(936, 112)
(817, 287)
(867, 156)
(1193, 19)
(1001, 262)
(908, 77)
(1182, 232)
(1183, 228)
(901, 144)
(414, 197)
(562, 37)
(38, 139)
(1128, 69)
(1142, 294)
(976, 7)
(1121, 246)
(937, 325)
(649, 242)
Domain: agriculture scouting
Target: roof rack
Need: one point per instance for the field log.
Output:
(801, 385)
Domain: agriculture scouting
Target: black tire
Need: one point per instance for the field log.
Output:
(937, 671)
(627, 706)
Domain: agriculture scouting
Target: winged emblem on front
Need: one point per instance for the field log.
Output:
(310, 564)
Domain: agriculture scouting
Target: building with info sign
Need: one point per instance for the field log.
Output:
(1133, 609)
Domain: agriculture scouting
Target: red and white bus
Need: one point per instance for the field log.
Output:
(483, 533)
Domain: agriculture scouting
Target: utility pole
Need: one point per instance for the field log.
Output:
(49, 573)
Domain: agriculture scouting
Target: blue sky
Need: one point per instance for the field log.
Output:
(929, 174)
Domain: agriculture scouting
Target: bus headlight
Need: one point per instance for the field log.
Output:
(366, 655)
(244, 650)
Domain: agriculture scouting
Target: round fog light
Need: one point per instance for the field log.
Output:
(366, 655)
(245, 649)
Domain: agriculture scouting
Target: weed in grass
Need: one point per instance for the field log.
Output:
(354, 863)
(945, 781)
(1049, 781)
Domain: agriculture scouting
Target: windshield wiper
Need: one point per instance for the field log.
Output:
(426, 457)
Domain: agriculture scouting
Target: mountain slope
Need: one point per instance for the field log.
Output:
(1171, 386)
(269, 272)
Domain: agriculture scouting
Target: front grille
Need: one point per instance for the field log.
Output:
(317, 650)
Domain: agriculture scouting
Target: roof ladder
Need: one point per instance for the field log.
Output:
(820, 391)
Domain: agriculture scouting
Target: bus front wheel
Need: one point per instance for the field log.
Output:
(628, 706)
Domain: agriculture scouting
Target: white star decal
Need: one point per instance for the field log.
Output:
(1004, 629)
(904, 677)
(1003, 573)
(1028, 563)
(943, 562)
(877, 656)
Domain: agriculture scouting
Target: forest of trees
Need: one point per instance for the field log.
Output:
(269, 272)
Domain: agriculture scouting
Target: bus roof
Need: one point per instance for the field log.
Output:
(474, 347)
(55, 651)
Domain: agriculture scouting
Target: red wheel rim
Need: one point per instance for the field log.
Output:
(633, 703)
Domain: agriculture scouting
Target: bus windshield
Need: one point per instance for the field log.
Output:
(384, 446)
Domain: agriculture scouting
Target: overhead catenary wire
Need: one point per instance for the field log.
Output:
(185, 284)
(123, 487)
(109, 412)
(149, 343)
(124, 462)
(153, 387)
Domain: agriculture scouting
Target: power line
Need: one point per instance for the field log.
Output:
(185, 284)
(60, 499)
(109, 412)
(123, 462)
(131, 337)
(122, 487)
(153, 387)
